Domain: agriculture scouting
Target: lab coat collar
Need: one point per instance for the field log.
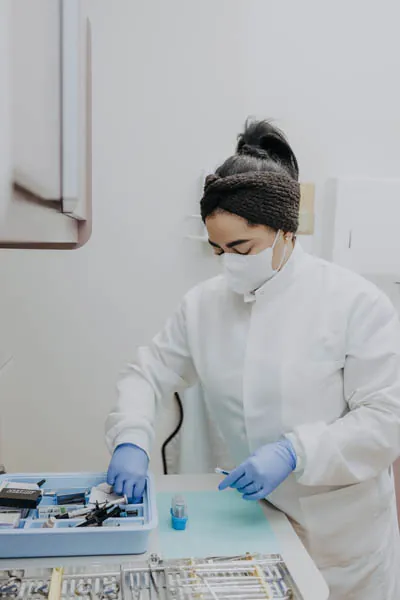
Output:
(282, 279)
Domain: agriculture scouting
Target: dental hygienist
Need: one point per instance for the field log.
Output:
(300, 363)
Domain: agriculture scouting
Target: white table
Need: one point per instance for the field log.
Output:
(303, 570)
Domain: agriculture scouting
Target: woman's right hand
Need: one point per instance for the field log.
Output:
(127, 472)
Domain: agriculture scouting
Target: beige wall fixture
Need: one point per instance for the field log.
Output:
(307, 206)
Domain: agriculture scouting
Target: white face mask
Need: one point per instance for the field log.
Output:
(244, 274)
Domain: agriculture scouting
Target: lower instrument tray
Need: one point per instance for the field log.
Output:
(251, 577)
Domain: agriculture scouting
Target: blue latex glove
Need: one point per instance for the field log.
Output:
(127, 471)
(261, 474)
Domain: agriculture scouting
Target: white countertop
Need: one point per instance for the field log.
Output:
(303, 570)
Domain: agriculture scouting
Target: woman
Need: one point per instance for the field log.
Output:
(300, 360)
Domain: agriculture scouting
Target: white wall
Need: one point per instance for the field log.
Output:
(5, 109)
(327, 71)
(173, 83)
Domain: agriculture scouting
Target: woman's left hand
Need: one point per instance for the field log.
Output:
(261, 474)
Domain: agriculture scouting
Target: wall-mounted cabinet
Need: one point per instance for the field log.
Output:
(361, 226)
(45, 161)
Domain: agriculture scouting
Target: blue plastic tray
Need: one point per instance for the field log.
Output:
(126, 535)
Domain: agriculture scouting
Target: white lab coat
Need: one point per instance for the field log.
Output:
(315, 355)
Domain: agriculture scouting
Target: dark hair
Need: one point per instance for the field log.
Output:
(259, 183)
(261, 147)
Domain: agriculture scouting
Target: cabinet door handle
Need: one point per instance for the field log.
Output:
(350, 237)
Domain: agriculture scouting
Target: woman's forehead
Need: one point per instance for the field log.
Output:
(227, 225)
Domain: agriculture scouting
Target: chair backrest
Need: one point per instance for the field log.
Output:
(199, 447)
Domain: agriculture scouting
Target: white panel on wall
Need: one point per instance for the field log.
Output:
(366, 226)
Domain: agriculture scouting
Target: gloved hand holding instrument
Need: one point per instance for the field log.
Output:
(263, 472)
(127, 471)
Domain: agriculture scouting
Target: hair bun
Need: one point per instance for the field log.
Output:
(253, 151)
(262, 140)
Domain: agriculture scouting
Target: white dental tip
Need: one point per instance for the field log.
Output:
(221, 471)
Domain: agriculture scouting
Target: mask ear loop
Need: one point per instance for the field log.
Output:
(276, 239)
(284, 250)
